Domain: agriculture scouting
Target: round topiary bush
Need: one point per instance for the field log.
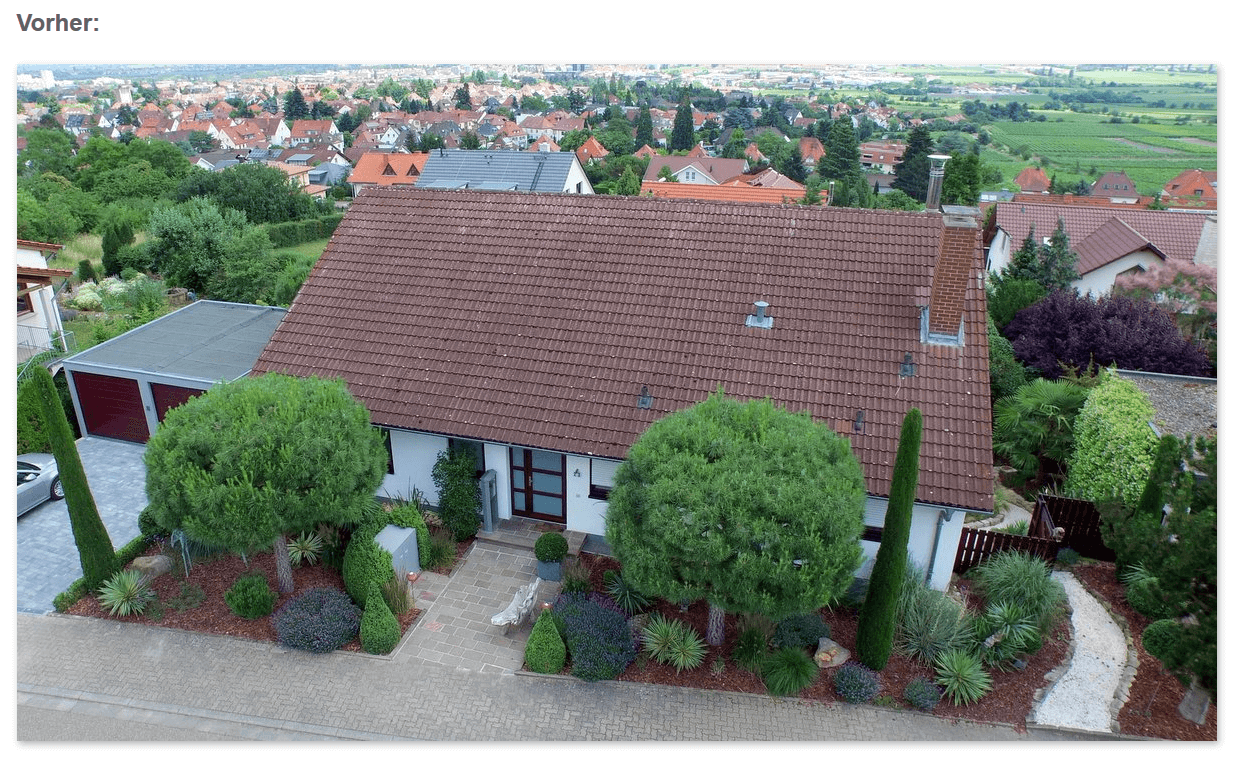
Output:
(856, 683)
(250, 596)
(545, 650)
(148, 526)
(318, 621)
(551, 547)
(1161, 639)
(379, 630)
(1146, 597)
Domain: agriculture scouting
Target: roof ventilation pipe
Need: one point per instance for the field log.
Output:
(937, 180)
(759, 318)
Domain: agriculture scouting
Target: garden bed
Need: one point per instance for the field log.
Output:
(196, 602)
(1150, 712)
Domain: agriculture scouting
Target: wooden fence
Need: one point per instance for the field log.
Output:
(1078, 519)
(977, 545)
(1081, 524)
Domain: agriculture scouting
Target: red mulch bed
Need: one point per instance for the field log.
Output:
(1155, 694)
(1009, 702)
(214, 577)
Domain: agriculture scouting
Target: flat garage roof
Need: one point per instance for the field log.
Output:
(206, 340)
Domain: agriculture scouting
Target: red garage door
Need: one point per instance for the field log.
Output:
(111, 406)
(170, 396)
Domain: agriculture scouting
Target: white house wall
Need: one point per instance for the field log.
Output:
(923, 549)
(413, 456)
(1099, 282)
(999, 252)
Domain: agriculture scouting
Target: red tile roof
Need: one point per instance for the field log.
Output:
(1175, 234)
(731, 193)
(1033, 179)
(1109, 242)
(535, 319)
(1114, 184)
(384, 169)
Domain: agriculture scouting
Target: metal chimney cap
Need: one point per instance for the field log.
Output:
(939, 159)
(759, 318)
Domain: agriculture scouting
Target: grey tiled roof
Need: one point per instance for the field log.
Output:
(520, 170)
(536, 319)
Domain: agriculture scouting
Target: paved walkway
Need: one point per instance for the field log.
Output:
(47, 558)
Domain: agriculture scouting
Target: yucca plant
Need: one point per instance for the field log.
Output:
(1005, 631)
(1013, 576)
(659, 636)
(623, 594)
(125, 593)
(687, 650)
(788, 671)
(928, 622)
(305, 548)
(962, 676)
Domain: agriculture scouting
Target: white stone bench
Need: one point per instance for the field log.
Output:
(519, 609)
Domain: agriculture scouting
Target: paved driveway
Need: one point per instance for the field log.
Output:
(47, 558)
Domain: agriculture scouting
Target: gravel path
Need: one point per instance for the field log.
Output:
(1082, 698)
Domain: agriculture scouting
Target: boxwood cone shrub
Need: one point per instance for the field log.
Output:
(801, 630)
(788, 671)
(95, 551)
(545, 650)
(250, 596)
(877, 620)
(318, 621)
(596, 633)
(379, 629)
(365, 563)
(856, 683)
(923, 694)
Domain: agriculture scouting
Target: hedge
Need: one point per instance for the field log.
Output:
(125, 555)
(1113, 444)
(407, 514)
(296, 232)
(365, 563)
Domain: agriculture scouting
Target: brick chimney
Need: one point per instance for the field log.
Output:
(943, 319)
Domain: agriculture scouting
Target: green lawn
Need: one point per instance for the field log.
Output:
(311, 249)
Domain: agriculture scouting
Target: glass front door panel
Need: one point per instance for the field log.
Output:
(538, 484)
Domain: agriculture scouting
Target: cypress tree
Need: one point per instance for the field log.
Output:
(877, 620)
(682, 138)
(644, 129)
(89, 534)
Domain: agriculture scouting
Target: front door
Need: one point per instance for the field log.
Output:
(538, 484)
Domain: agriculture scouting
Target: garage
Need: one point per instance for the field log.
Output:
(123, 388)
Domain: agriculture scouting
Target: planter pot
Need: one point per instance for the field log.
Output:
(548, 571)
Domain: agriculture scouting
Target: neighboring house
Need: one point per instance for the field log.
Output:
(767, 178)
(39, 326)
(881, 156)
(811, 151)
(646, 152)
(547, 172)
(591, 151)
(1032, 180)
(708, 170)
(1115, 186)
(123, 387)
(723, 193)
(548, 331)
(1108, 241)
(315, 131)
(385, 169)
(1192, 188)
(545, 144)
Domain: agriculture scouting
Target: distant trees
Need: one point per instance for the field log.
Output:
(913, 172)
(682, 138)
(295, 106)
(644, 131)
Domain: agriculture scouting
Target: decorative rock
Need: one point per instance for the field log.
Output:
(1195, 704)
(152, 567)
(830, 654)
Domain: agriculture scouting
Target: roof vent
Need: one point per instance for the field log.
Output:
(908, 367)
(644, 398)
(759, 318)
(859, 422)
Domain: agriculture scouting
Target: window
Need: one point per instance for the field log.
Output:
(602, 478)
(473, 446)
(871, 533)
(23, 304)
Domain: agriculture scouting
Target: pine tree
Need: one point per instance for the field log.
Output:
(877, 620)
(841, 160)
(1057, 261)
(682, 138)
(295, 105)
(89, 534)
(1025, 262)
(913, 172)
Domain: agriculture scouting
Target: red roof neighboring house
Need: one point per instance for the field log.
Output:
(1192, 188)
(811, 150)
(1115, 185)
(646, 151)
(382, 169)
(1032, 180)
(591, 151)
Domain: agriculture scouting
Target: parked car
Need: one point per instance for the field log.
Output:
(38, 480)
